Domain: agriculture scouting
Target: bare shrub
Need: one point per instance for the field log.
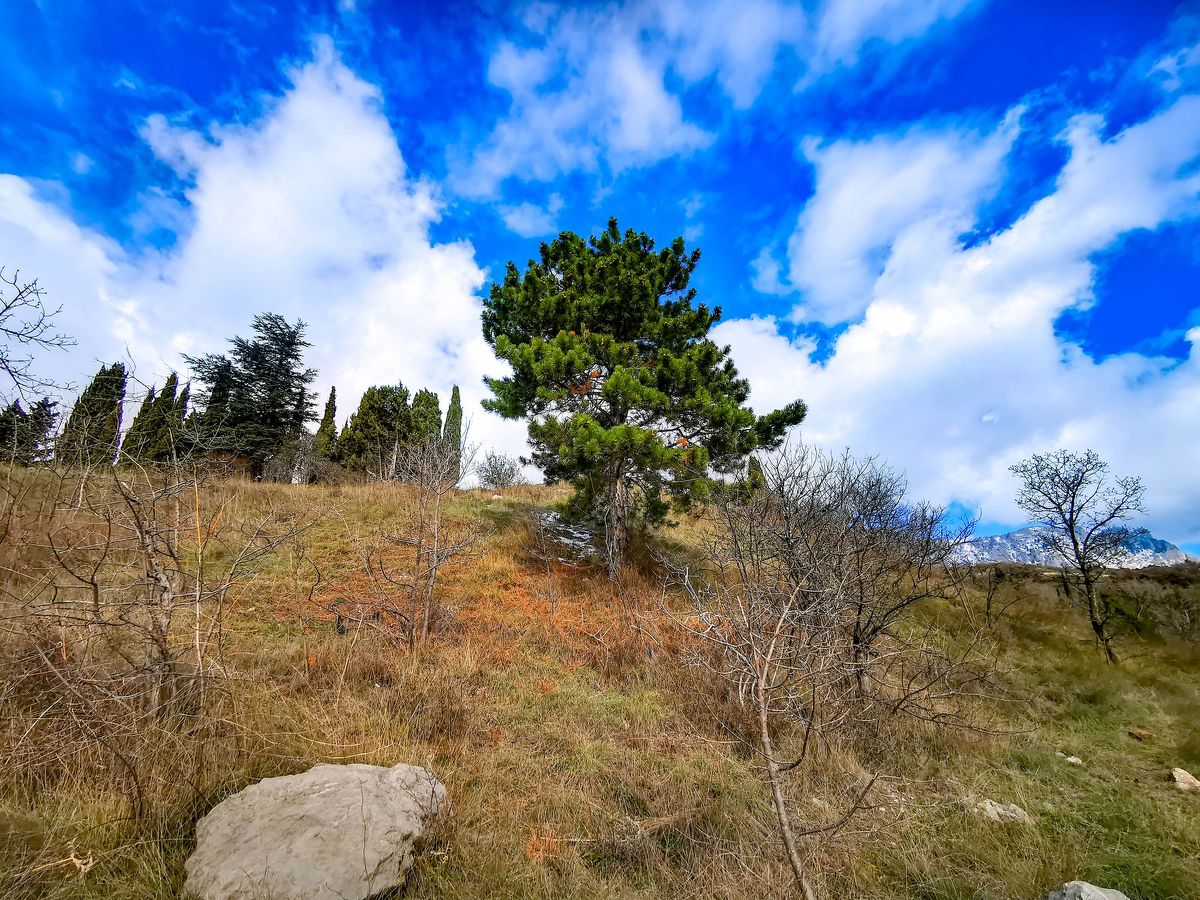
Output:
(115, 583)
(808, 589)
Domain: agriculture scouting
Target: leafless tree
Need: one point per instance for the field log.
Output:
(114, 597)
(999, 593)
(801, 589)
(434, 468)
(26, 327)
(1082, 509)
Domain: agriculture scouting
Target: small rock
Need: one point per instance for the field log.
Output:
(1073, 760)
(335, 832)
(497, 497)
(1140, 734)
(1185, 780)
(1003, 812)
(1081, 890)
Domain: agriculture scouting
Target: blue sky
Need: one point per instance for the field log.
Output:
(962, 231)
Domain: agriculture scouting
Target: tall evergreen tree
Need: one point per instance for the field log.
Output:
(426, 416)
(452, 433)
(376, 432)
(258, 395)
(325, 441)
(167, 441)
(211, 426)
(24, 435)
(625, 393)
(92, 433)
(133, 447)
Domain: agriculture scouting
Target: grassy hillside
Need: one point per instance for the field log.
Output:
(585, 755)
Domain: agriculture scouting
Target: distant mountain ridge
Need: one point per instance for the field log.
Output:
(1025, 546)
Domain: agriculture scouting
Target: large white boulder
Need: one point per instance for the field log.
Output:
(1081, 890)
(343, 832)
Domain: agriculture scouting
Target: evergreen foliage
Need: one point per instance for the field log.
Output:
(325, 442)
(133, 447)
(156, 435)
(256, 398)
(371, 441)
(25, 435)
(426, 416)
(626, 395)
(93, 429)
(452, 433)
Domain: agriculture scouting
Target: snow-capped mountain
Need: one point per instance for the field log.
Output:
(1025, 546)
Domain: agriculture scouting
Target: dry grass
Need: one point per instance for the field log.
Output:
(585, 758)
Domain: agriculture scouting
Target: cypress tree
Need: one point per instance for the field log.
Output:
(452, 433)
(376, 431)
(164, 444)
(325, 441)
(24, 435)
(212, 425)
(92, 433)
(133, 447)
(426, 416)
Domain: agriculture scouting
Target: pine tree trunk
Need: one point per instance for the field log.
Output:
(617, 526)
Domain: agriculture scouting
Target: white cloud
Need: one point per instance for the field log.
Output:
(309, 212)
(955, 370)
(530, 220)
(581, 102)
(609, 105)
(868, 193)
(845, 26)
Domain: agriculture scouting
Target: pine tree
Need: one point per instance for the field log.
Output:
(325, 441)
(376, 432)
(426, 416)
(626, 395)
(257, 398)
(452, 433)
(92, 433)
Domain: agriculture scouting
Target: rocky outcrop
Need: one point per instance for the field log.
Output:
(342, 832)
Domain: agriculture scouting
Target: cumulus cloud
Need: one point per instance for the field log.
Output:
(579, 104)
(956, 369)
(531, 220)
(308, 211)
(868, 193)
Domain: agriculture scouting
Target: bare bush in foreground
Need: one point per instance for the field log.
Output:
(115, 584)
(806, 589)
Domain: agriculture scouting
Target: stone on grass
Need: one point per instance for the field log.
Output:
(1073, 760)
(1003, 812)
(1081, 890)
(1185, 780)
(336, 831)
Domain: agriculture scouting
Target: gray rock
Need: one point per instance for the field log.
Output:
(1003, 812)
(342, 832)
(1185, 780)
(1081, 890)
